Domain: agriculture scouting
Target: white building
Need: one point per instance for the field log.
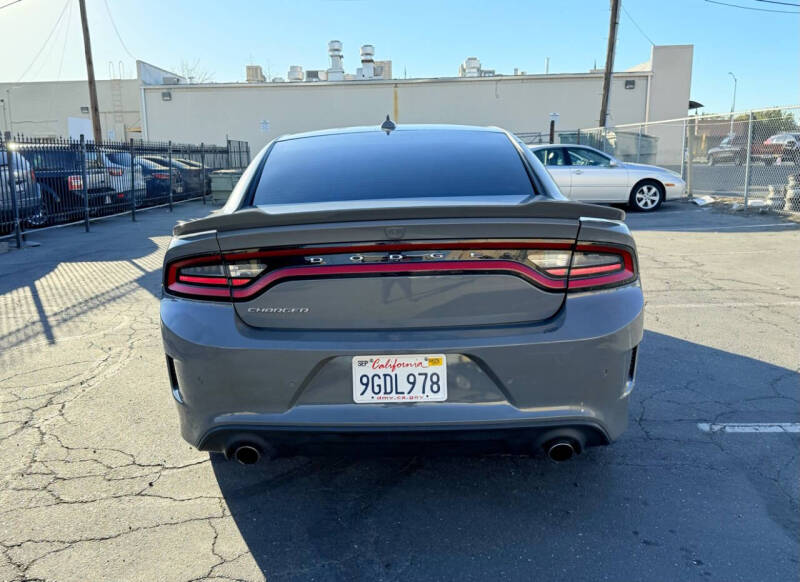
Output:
(155, 108)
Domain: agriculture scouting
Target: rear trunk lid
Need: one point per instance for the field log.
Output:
(399, 268)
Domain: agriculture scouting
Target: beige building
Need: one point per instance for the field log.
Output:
(159, 106)
(61, 108)
(257, 113)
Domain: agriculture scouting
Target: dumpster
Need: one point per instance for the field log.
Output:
(222, 183)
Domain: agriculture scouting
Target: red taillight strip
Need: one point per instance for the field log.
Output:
(203, 280)
(435, 246)
(386, 268)
(197, 291)
(581, 271)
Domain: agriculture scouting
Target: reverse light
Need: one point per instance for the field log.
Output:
(75, 182)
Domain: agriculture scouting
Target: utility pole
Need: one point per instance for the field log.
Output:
(612, 43)
(87, 49)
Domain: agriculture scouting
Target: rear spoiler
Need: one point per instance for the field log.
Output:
(254, 217)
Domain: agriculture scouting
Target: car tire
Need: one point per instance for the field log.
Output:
(41, 218)
(646, 196)
(738, 160)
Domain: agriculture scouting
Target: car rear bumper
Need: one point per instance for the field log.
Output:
(515, 383)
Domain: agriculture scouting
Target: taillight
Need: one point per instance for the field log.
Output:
(75, 182)
(160, 176)
(552, 265)
(597, 266)
(33, 176)
(209, 276)
(115, 171)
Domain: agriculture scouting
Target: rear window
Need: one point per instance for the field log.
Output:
(405, 164)
(52, 160)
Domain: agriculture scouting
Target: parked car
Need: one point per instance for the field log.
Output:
(427, 285)
(199, 166)
(59, 175)
(119, 176)
(734, 149)
(156, 177)
(783, 146)
(192, 176)
(22, 182)
(589, 175)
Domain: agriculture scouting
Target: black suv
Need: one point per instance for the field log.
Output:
(58, 172)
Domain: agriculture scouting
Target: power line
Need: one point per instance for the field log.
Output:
(47, 40)
(639, 28)
(119, 36)
(776, 2)
(64, 48)
(9, 4)
(751, 8)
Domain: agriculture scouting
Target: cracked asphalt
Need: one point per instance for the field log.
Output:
(98, 485)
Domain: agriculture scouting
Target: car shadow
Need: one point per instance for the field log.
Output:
(515, 517)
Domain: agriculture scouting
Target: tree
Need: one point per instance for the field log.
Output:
(770, 122)
(194, 72)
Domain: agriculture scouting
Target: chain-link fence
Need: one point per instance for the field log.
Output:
(46, 183)
(753, 155)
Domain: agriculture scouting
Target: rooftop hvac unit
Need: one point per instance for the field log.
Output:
(255, 74)
(295, 73)
(336, 70)
(169, 80)
(313, 76)
(471, 67)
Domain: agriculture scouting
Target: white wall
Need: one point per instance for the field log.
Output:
(669, 99)
(43, 109)
(208, 113)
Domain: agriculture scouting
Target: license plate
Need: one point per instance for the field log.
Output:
(108, 199)
(399, 378)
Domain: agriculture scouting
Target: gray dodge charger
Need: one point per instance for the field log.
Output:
(422, 287)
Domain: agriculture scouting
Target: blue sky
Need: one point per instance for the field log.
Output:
(427, 38)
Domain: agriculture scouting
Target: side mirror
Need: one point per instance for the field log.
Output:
(613, 164)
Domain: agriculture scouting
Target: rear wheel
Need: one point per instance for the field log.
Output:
(40, 218)
(647, 196)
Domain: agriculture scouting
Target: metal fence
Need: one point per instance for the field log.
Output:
(752, 155)
(52, 182)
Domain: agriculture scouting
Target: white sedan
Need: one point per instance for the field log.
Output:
(589, 175)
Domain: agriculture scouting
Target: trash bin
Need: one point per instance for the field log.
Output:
(222, 183)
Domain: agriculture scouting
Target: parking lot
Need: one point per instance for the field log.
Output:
(97, 483)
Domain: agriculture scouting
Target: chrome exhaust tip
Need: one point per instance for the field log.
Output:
(560, 451)
(247, 454)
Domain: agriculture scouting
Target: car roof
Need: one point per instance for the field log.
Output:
(399, 127)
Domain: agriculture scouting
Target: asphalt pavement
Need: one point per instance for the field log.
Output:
(97, 484)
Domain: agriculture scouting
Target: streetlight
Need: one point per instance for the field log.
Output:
(733, 103)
